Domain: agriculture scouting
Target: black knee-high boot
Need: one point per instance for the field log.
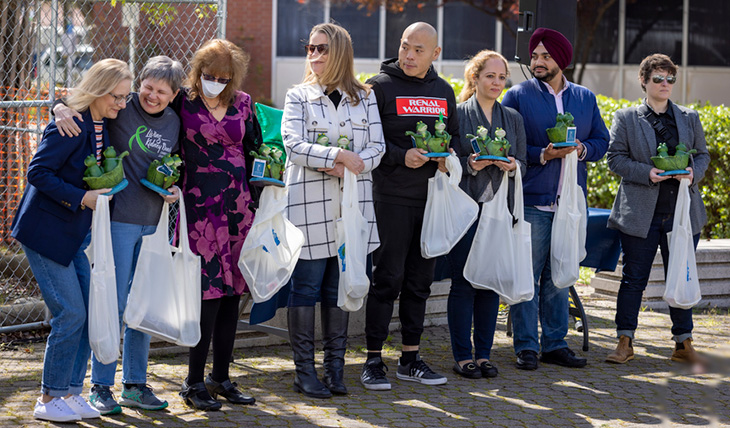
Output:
(301, 337)
(334, 329)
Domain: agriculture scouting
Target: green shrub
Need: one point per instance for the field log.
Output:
(715, 187)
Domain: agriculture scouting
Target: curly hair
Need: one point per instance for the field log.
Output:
(221, 58)
(653, 63)
(474, 67)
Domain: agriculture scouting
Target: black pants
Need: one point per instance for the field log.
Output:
(219, 316)
(399, 269)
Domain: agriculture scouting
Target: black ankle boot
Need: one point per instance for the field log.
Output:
(229, 390)
(301, 337)
(196, 395)
(334, 328)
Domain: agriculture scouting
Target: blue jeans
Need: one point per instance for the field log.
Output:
(466, 302)
(65, 290)
(126, 243)
(638, 256)
(312, 278)
(549, 303)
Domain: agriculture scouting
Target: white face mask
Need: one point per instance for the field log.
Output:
(212, 89)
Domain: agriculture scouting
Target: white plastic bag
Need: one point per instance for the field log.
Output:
(449, 213)
(165, 298)
(682, 286)
(104, 328)
(352, 233)
(272, 246)
(500, 258)
(568, 238)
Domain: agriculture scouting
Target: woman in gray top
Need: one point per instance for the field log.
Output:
(148, 129)
(485, 76)
(643, 211)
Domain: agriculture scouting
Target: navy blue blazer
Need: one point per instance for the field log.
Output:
(49, 219)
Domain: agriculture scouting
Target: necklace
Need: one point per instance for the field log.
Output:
(208, 105)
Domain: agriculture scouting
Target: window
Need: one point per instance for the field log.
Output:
(653, 26)
(467, 30)
(395, 23)
(604, 49)
(363, 28)
(295, 21)
(708, 44)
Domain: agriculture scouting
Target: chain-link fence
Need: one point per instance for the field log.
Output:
(45, 47)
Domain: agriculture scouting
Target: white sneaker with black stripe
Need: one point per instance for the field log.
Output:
(419, 371)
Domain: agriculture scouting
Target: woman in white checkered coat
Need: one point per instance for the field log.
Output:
(329, 104)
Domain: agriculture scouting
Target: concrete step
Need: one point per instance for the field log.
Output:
(713, 268)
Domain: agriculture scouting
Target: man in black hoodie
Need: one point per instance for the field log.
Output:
(408, 90)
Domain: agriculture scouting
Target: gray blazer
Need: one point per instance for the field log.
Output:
(471, 117)
(633, 143)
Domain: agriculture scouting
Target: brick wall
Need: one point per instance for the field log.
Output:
(249, 26)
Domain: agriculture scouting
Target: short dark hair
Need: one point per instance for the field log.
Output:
(653, 63)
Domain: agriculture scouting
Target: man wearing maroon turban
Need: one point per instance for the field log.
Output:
(539, 101)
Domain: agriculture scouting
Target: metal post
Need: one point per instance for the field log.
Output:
(621, 45)
(381, 33)
(222, 5)
(685, 50)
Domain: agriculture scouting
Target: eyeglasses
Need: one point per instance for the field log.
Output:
(658, 78)
(212, 78)
(322, 49)
(121, 99)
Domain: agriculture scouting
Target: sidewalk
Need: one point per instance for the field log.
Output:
(649, 391)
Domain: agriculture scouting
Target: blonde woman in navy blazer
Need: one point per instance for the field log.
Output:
(643, 211)
(53, 226)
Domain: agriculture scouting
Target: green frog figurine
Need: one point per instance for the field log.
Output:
(481, 138)
(275, 168)
(439, 142)
(558, 133)
(343, 142)
(499, 146)
(678, 162)
(323, 140)
(92, 167)
(421, 136)
(164, 172)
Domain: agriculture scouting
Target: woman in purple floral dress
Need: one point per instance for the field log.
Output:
(219, 129)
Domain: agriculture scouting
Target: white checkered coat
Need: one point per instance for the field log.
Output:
(314, 197)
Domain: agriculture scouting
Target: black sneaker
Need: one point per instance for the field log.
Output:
(526, 360)
(563, 357)
(419, 371)
(373, 375)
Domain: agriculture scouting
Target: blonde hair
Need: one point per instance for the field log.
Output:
(100, 80)
(339, 71)
(218, 57)
(474, 67)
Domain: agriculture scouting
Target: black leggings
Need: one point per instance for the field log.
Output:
(219, 315)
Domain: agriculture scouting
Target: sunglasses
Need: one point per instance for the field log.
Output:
(322, 49)
(212, 78)
(658, 78)
(121, 99)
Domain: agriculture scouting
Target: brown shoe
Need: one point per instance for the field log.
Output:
(624, 351)
(685, 353)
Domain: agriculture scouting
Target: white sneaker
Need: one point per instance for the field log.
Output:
(55, 410)
(81, 407)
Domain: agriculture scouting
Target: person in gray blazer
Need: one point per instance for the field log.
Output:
(485, 77)
(643, 211)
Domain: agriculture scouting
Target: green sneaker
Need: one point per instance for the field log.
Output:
(102, 399)
(141, 396)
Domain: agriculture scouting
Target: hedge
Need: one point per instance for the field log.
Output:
(715, 187)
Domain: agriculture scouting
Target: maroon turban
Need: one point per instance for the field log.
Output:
(556, 44)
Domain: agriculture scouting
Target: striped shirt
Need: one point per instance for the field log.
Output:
(99, 131)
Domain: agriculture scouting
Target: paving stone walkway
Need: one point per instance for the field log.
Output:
(650, 391)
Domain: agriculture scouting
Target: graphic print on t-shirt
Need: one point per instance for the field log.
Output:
(421, 106)
(150, 141)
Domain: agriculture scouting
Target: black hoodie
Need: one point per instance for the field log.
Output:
(403, 101)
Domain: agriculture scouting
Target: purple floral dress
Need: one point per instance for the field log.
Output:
(216, 189)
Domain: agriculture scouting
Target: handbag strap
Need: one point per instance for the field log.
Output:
(657, 124)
